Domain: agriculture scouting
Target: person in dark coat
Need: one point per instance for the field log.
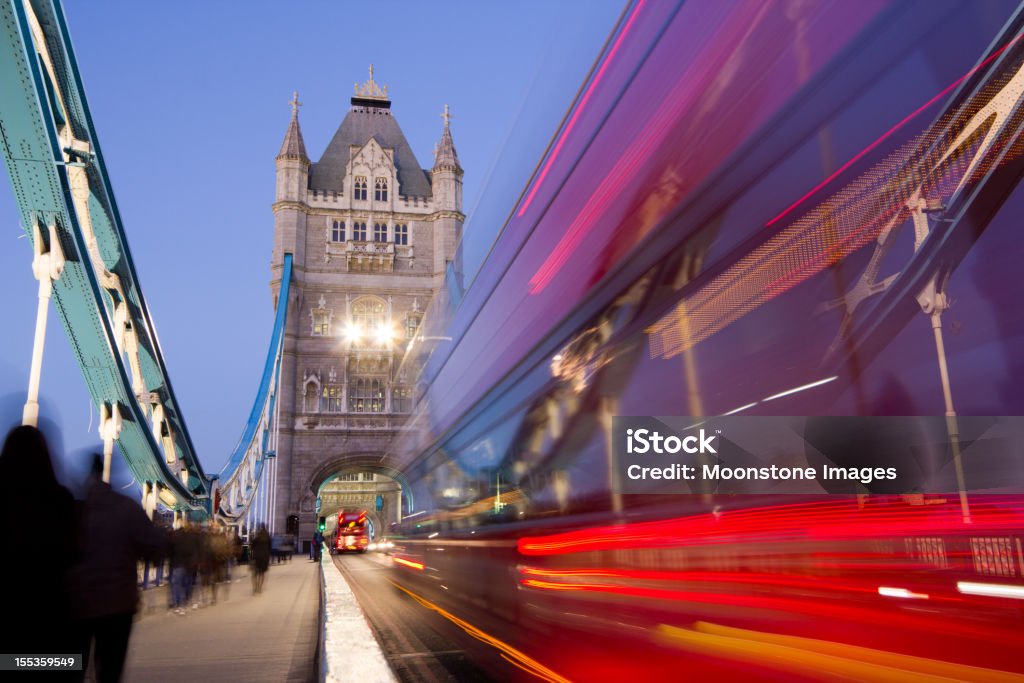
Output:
(260, 558)
(318, 545)
(35, 509)
(115, 535)
(182, 563)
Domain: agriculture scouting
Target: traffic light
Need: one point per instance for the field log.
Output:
(322, 524)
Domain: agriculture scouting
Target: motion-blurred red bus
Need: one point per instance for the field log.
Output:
(351, 533)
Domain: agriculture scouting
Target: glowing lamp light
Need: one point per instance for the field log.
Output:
(353, 332)
(384, 334)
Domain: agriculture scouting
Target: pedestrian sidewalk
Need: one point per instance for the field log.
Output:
(271, 636)
(156, 599)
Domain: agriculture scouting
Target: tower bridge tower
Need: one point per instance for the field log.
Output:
(371, 233)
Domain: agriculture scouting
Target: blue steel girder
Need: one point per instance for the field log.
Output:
(56, 169)
(241, 475)
(58, 175)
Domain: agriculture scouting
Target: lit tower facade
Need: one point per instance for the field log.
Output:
(371, 234)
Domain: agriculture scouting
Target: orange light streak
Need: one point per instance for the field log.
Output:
(520, 659)
(408, 563)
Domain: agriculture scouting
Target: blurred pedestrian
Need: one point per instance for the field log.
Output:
(116, 534)
(260, 558)
(223, 552)
(182, 563)
(35, 510)
(207, 568)
(236, 551)
(318, 545)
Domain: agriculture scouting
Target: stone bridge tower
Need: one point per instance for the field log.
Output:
(371, 233)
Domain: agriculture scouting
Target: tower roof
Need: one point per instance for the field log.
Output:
(445, 156)
(369, 117)
(293, 147)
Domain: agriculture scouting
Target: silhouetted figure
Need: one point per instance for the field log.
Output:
(39, 547)
(237, 551)
(222, 553)
(183, 563)
(115, 534)
(318, 545)
(260, 558)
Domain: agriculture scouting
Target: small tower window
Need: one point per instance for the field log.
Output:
(321, 324)
(401, 234)
(338, 231)
(359, 188)
(359, 231)
(380, 189)
(380, 232)
(330, 399)
(401, 400)
(412, 323)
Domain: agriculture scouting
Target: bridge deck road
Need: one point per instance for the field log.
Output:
(420, 646)
(243, 637)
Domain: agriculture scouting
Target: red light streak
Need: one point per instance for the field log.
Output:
(751, 580)
(811, 607)
(942, 93)
(819, 521)
(583, 102)
(747, 578)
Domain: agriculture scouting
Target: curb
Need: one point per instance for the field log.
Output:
(347, 649)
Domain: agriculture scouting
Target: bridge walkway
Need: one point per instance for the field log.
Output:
(267, 637)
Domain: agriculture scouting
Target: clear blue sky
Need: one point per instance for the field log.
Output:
(190, 105)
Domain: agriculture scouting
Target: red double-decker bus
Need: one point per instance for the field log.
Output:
(351, 533)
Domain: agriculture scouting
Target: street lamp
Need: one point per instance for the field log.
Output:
(385, 333)
(353, 332)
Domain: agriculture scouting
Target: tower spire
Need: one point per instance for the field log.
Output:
(445, 156)
(293, 146)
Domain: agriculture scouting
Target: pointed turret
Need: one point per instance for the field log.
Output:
(447, 172)
(446, 177)
(292, 180)
(293, 147)
(445, 156)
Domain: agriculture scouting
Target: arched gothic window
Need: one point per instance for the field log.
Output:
(380, 189)
(359, 188)
(368, 312)
(359, 231)
(338, 231)
(366, 395)
(380, 232)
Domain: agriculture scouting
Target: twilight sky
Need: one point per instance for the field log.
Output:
(190, 102)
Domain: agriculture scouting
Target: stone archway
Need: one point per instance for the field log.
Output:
(341, 483)
(305, 489)
(366, 462)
